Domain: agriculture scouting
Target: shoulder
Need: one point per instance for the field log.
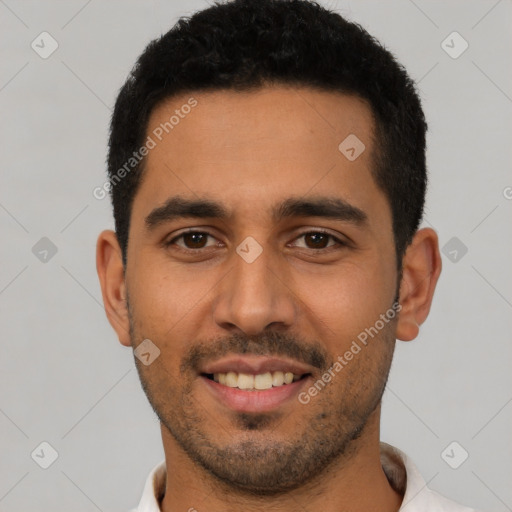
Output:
(406, 479)
(154, 489)
(432, 500)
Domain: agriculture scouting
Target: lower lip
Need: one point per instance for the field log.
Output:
(254, 401)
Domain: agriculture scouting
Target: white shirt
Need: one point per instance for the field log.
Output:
(402, 474)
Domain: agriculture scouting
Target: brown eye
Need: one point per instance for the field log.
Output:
(191, 241)
(318, 240)
(195, 240)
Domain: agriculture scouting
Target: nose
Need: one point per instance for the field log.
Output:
(253, 297)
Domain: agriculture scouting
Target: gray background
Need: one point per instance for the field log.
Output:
(66, 380)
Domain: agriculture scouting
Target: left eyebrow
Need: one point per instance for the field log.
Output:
(320, 206)
(327, 207)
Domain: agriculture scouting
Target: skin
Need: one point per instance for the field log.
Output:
(300, 297)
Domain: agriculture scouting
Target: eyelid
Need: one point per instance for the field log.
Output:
(340, 241)
(175, 237)
(311, 230)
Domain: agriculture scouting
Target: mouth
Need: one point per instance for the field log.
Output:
(258, 382)
(254, 384)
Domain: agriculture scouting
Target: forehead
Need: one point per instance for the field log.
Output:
(269, 117)
(249, 147)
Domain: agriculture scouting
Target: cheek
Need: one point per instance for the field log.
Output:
(168, 307)
(163, 296)
(349, 300)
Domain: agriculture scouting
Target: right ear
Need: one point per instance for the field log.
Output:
(110, 268)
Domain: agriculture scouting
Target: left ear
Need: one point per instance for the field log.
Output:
(421, 266)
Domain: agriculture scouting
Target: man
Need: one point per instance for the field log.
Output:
(267, 172)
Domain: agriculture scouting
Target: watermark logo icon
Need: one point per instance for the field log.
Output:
(454, 45)
(454, 455)
(352, 147)
(454, 250)
(44, 455)
(249, 249)
(147, 352)
(44, 45)
(44, 250)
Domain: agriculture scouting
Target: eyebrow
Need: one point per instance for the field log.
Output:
(333, 208)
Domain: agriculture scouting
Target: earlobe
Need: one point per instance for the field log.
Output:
(109, 265)
(421, 267)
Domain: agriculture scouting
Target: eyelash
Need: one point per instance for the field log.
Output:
(339, 242)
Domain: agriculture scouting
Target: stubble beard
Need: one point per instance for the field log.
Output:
(263, 460)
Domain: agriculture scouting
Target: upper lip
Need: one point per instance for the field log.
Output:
(255, 365)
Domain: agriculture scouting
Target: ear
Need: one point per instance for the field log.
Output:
(109, 265)
(421, 267)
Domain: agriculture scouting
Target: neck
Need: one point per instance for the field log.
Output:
(354, 482)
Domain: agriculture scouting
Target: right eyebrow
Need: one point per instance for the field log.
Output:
(179, 207)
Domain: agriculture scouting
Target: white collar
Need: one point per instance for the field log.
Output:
(399, 469)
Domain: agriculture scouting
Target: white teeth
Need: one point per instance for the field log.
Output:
(277, 379)
(245, 381)
(231, 379)
(261, 381)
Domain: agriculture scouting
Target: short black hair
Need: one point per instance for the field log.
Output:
(243, 45)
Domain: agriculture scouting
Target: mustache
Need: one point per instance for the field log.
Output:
(269, 344)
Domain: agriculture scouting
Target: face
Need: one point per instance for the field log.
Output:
(260, 253)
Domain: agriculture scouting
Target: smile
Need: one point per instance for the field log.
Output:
(254, 383)
(259, 382)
